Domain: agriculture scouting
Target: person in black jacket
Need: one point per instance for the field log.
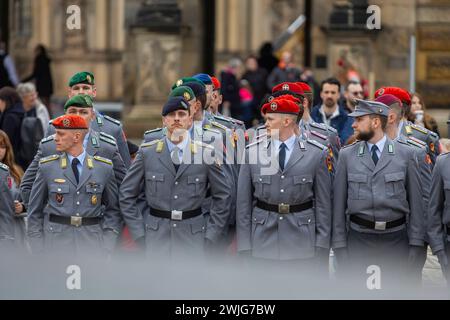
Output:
(42, 75)
(11, 116)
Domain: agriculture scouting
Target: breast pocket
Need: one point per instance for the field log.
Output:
(154, 182)
(395, 185)
(94, 192)
(357, 186)
(262, 186)
(59, 194)
(447, 193)
(303, 186)
(197, 183)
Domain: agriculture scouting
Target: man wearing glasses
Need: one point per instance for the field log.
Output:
(353, 90)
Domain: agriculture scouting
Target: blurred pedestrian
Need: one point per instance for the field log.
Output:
(8, 73)
(419, 116)
(257, 78)
(12, 114)
(445, 145)
(230, 89)
(32, 105)
(266, 58)
(246, 95)
(353, 90)
(285, 72)
(42, 75)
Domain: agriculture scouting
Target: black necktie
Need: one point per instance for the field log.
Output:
(176, 158)
(75, 163)
(282, 156)
(374, 154)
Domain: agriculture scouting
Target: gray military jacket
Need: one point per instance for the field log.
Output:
(305, 178)
(6, 208)
(386, 192)
(183, 190)
(55, 191)
(98, 145)
(439, 206)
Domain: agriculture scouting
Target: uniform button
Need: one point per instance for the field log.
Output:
(78, 192)
(303, 179)
(197, 180)
(176, 183)
(59, 190)
(78, 214)
(282, 177)
(175, 197)
(174, 225)
(281, 218)
(95, 190)
(309, 220)
(154, 177)
(78, 203)
(260, 180)
(282, 190)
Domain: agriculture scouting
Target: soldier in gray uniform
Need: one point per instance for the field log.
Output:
(284, 214)
(409, 129)
(378, 201)
(6, 209)
(175, 184)
(439, 213)
(84, 83)
(95, 143)
(65, 210)
(425, 166)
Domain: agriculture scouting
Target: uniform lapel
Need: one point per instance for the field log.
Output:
(386, 156)
(87, 172)
(296, 155)
(67, 169)
(166, 160)
(364, 155)
(185, 161)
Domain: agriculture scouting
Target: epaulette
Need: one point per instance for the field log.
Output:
(238, 122)
(349, 145)
(218, 125)
(223, 119)
(317, 144)
(420, 129)
(49, 159)
(111, 142)
(203, 145)
(434, 134)
(418, 141)
(414, 143)
(48, 139)
(104, 160)
(254, 144)
(108, 136)
(317, 134)
(117, 122)
(211, 130)
(261, 127)
(149, 144)
(330, 128)
(50, 122)
(4, 167)
(153, 131)
(318, 125)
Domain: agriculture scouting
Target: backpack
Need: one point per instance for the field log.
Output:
(31, 134)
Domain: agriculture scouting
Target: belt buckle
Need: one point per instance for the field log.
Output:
(76, 221)
(177, 215)
(380, 225)
(283, 208)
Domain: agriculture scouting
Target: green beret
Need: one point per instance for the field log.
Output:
(183, 81)
(79, 101)
(82, 77)
(183, 91)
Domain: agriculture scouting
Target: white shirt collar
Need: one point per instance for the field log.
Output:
(289, 143)
(80, 158)
(380, 144)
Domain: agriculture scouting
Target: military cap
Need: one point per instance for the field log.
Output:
(174, 104)
(216, 83)
(183, 91)
(305, 87)
(82, 77)
(281, 106)
(184, 81)
(197, 88)
(80, 101)
(400, 93)
(70, 122)
(204, 78)
(288, 86)
(364, 107)
(389, 100)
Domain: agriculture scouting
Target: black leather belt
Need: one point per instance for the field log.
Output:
(175, 214)
(284, 208)
(75, 221)
(377, 225)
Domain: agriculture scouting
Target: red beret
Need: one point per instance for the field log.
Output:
(70, 122)
(287, 97)
(281, 106)
(289, 86)
(305, 87)
(216, 83)
(389, 100)
(400, 93)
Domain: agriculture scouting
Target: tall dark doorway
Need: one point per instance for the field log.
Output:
(4, 21)
(209, 34)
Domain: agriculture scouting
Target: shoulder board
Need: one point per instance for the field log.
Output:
(218, 125)
(254, 143)
(330, 128)
(153, 131)
(223, 118)
(48, 139)
(349, 145)
(4, 167)
(111, 142)
(413, 143)
(202, 144)
(49, 159)
(110, 137)
(434, 134)
(261, 127)
(317, 144)
(318, 125)
(420, 129)
(238, 122)
(317, 134)
(149, 144)
(418, 141)
(117, 122)
(104, 160)
(205, 128)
